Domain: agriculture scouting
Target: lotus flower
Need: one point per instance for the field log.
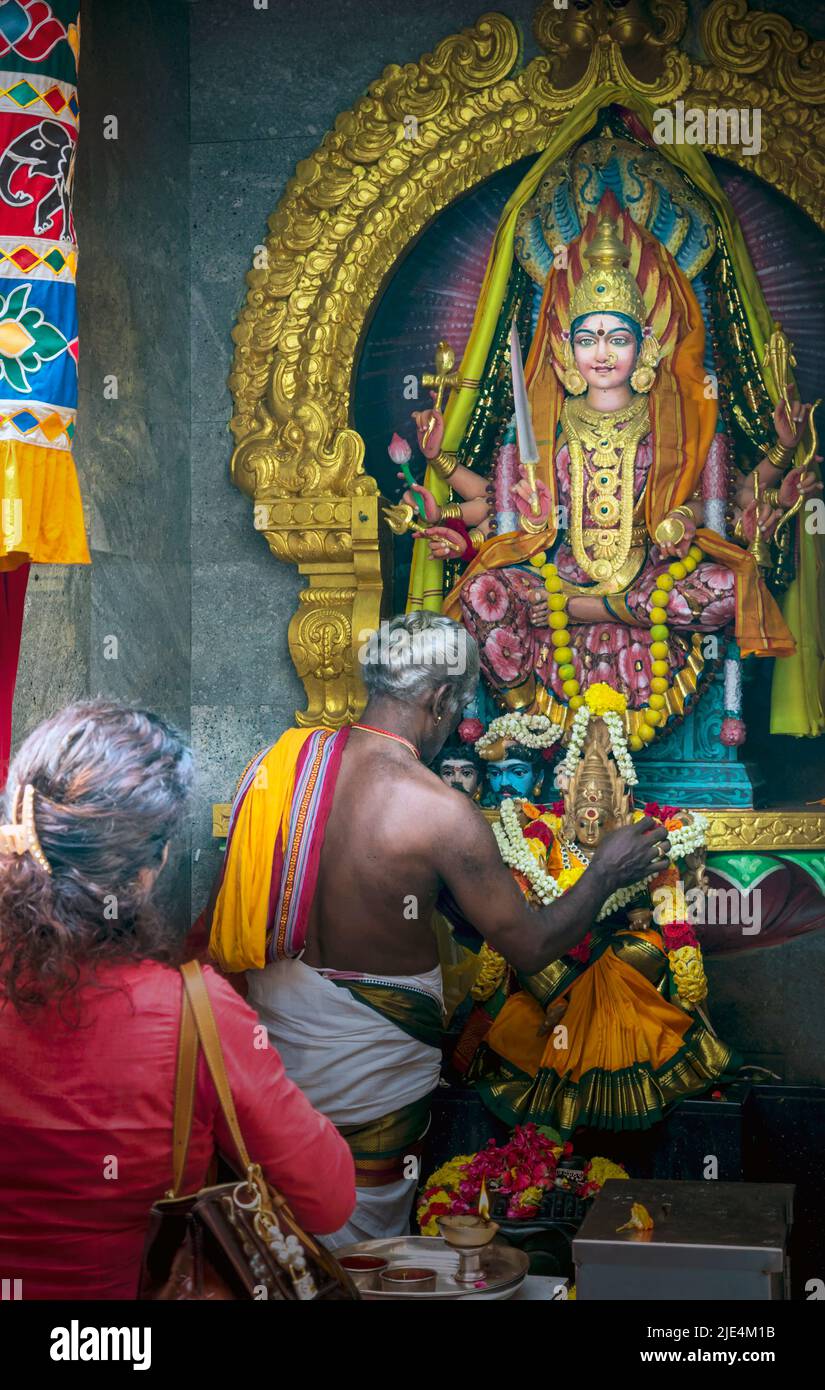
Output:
(399, 450)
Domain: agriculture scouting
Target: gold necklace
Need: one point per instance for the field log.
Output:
(610, 438)
(606, 419)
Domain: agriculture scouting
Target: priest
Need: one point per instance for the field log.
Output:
(340, 846)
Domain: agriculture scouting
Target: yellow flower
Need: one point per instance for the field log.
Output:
(602, 1168)
(601, 697)
(448, 1176)
(568, 877)
(492, 972)
(530, 1197)
(537, 849)
(689, 975)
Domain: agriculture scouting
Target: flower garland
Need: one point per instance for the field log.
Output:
(530, 730)
(733, 731)
(523, 853)
(684, 954)
(492, 973)
(521, 1171)
(654, 714)
(600, 701)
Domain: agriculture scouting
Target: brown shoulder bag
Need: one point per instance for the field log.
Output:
(234, 1240)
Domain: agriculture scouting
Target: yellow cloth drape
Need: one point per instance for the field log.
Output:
(615, 1019)
(239, 920)
(42, 514)
(796, 702)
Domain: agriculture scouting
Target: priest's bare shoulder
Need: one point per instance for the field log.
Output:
(398, 838)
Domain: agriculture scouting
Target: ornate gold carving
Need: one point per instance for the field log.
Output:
(731, 832)
(632, 47)
(760, 60)
(740, 831)
(424, 134)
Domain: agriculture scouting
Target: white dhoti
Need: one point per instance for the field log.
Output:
(354, 1065)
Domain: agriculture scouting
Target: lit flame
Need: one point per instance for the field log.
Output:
(483, 1202)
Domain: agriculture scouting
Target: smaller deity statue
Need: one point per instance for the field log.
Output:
(517, 751)
(624, 1008)
(458, 765)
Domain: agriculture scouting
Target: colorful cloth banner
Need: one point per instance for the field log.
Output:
(42, 514)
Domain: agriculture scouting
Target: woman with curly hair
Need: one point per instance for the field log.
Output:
(90, 1012)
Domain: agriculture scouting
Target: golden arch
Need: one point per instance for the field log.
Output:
(424, 134)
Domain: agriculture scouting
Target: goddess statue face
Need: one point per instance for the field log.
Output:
(591, 822)
(604, 350)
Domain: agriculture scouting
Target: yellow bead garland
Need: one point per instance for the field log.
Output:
(559, 631)
(654, 714)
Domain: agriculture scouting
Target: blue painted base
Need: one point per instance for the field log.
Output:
(690, 767)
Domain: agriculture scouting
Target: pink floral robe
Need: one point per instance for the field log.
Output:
(495, 609)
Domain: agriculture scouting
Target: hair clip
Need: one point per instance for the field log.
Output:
(20, 835)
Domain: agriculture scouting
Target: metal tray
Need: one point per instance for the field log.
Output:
(504, 1267)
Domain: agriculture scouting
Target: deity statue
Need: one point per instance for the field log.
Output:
(519, 772)
(608, 550)
(458, 766)
(614, 1032)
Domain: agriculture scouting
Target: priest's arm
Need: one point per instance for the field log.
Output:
(486, 894)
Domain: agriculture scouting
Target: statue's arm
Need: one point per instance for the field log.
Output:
(470, 486)
(467, 859)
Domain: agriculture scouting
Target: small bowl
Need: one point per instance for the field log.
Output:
(364, 1270)
(467, 1232)
(409, 1279)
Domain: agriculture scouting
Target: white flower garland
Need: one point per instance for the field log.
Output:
(691, 837)
(618, 743)
(733, 686)
(517, 855)
(530, 730)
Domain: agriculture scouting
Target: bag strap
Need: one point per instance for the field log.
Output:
(184, 1093)
(197, 997)
(198, 1026)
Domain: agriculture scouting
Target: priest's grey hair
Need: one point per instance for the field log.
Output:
(410, 656)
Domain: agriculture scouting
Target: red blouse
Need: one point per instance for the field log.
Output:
(86, 1130)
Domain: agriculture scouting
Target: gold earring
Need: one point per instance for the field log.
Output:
(573, 380)
(644, 373)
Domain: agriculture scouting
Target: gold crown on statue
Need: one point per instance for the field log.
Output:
(596, 785)
(607, 286)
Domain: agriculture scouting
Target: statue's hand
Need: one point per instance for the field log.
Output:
(432, 446)
(798, 481)
(538, 614)
(445, 543)
(523, 497)
(679, 549)
(790, 431)
(431, 507)
(768, 519)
